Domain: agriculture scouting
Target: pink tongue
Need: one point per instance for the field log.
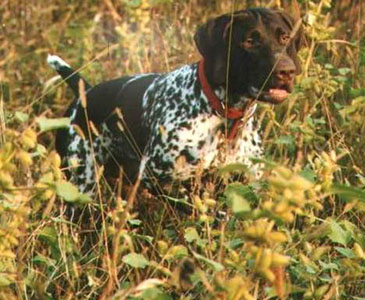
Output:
(278, 95)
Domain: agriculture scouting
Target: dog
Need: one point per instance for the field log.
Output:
(171, 126)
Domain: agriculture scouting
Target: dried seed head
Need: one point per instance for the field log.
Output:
(82, 93)
(25, 158)
(359, 252)
(279, 260)
(29, 138)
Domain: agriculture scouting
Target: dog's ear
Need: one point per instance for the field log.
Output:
(216, 32)
(210, 41)
(211, 34)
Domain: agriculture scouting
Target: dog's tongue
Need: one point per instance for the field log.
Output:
(278, 95)
(274, 96)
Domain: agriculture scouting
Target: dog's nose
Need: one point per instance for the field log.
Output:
(285, 69)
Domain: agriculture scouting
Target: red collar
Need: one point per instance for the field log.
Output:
(229, 113)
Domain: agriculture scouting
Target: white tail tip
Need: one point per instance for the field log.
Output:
(56, 62)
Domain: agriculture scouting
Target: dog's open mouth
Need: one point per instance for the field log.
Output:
(273, 95)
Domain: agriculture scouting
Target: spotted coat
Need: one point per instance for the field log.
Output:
(186, 135)
(163, 126)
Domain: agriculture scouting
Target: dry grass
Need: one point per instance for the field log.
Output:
(303, 236)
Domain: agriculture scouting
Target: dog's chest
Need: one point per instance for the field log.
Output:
(205, 145)
(185, 135)
(196, 145)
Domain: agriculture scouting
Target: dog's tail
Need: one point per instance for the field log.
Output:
(68, 74)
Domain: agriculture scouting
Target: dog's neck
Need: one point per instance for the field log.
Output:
(220, 94)
(235, 113)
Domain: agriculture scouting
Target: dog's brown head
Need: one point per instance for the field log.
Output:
(261, 46)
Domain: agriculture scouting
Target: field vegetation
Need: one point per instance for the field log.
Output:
(298, 233)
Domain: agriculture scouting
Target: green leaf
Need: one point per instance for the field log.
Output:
(191, 235)
(214, 265)
(170, 234)
(309, 269)
(329, 266)
(5, 280)
(236, 194)
(337, 234)
(135, 260)
(308, 174)
(285, 140)
(345, 252)
(348, 192)
(357, 92)
(83, 199)
(177, 252)
(350, 227)
(234, 244)
(344, 71)
(40, 150)
(68, 191)
(49, 235)
(135, 222)
(21, 117)
(46, 124)
(154, 294)
(143, 237)
(41, 259)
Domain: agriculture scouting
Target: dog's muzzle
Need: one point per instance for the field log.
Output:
(280, 83)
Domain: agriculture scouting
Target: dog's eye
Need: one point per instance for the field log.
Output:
(284, 39)
(252, 41)
(248, 43)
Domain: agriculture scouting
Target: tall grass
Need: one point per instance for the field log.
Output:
(296, 234)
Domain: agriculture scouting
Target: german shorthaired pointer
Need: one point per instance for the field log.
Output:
(188, 120)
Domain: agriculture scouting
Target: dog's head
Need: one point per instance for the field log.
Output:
(261, 46)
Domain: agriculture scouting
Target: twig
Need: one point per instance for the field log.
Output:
(117, 18)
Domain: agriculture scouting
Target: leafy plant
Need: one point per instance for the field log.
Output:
(298, 233)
